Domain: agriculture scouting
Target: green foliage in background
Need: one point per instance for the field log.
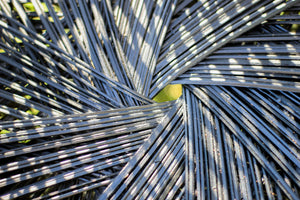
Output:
(169, 93)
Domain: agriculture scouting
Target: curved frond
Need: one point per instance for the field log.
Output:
(78, 119)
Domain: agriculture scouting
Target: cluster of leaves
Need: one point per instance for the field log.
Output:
(85, 87)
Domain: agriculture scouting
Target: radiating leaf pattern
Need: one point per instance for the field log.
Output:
(77, 79)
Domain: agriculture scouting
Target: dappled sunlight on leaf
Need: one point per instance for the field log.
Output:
(150, 99)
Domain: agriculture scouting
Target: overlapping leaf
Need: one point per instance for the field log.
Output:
(78, 122)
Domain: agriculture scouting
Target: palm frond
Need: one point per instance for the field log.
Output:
(88, 143)
(261, 62)
(263, 138)
(208, 31)
(77, 79)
